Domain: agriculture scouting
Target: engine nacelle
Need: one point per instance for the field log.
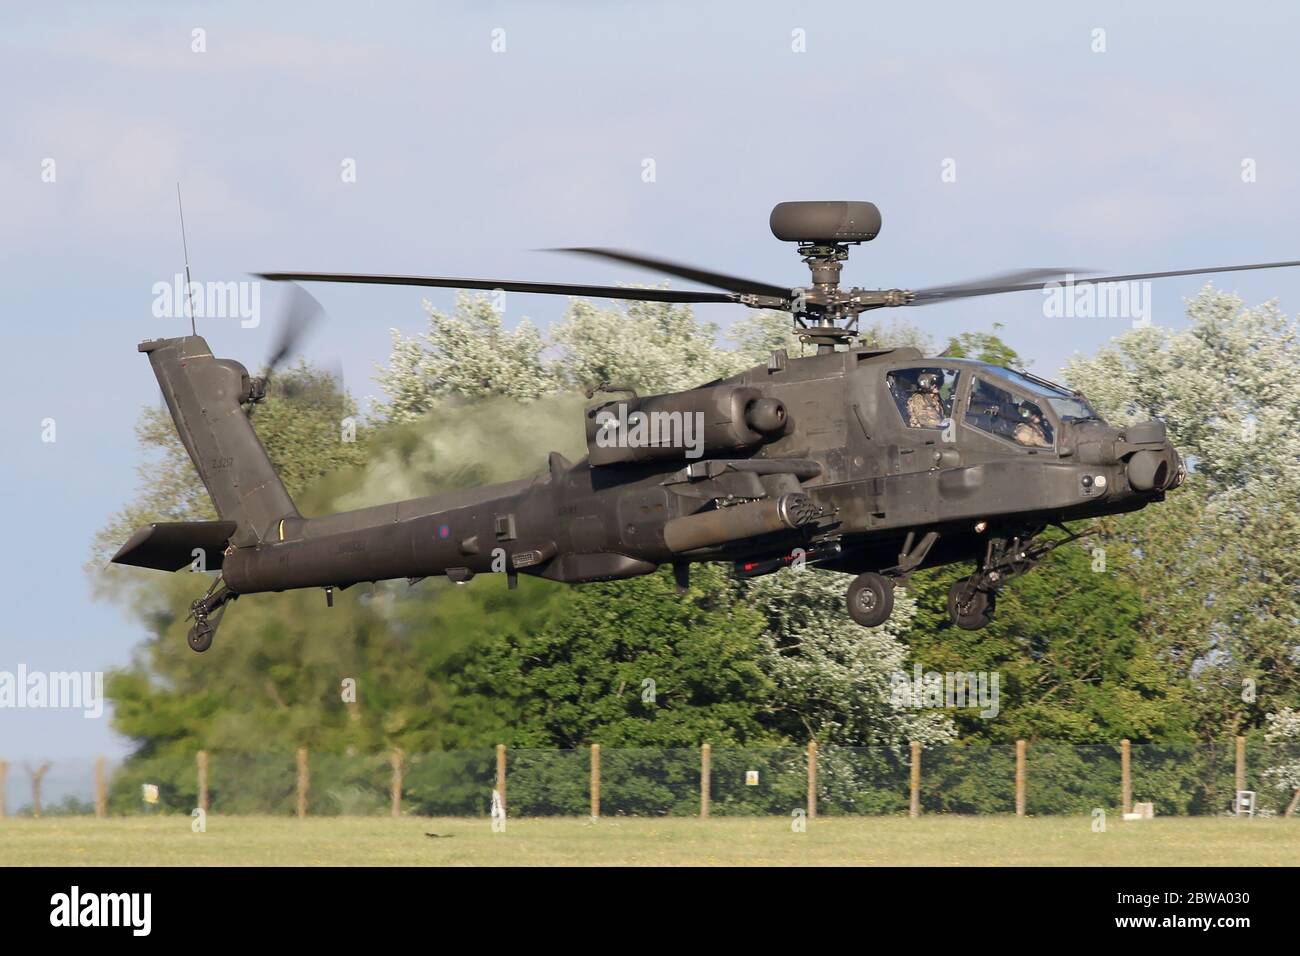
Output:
(715, 420)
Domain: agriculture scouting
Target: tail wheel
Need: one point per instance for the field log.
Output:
(200, 636)
(871, 599)
(970, 608)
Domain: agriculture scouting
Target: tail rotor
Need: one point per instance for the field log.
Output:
(299, 313)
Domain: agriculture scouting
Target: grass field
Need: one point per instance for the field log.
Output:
(881, 841)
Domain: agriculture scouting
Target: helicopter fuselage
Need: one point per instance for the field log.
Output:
(846, 481)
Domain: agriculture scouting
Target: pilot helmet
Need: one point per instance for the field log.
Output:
(927, 382)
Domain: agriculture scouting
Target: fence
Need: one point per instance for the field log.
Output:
(1035, 778)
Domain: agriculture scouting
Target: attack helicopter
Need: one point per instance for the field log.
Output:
(875, 462)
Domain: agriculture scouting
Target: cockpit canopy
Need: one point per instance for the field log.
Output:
(1016, 406)
(1069, 406)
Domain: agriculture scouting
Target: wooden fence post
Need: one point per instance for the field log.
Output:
(201, 759)
(4, 782)
(1125, 777)
(1290, 807)
(1239, 777)
(1020, 778)
(396, 760)
(501, 775)
(706, 770)
(37, 776)
(812, 780)
(595, 781)
(101, 789)
(914, 810)
(304, 782)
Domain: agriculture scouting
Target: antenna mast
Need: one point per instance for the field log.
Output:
(189, 295)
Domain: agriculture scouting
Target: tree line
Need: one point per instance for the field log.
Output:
(1182, 628)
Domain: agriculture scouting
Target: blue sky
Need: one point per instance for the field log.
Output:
(468, 160)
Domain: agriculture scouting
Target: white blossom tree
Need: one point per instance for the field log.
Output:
(1220, 562)
(1284, 735)
(649, 346)
(1225, 386)
(652, 347)
(834, 682)
(469, 354)
(834, 677)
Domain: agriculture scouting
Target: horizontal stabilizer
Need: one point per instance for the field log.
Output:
(170, 545)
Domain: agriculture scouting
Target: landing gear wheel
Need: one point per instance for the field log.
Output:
(206, 613)
(200, 636)
(970, 608)
(871, 599)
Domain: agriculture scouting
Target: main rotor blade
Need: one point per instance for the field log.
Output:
(1003, 279)
(543, 288)
(718, 280)
(939, 294)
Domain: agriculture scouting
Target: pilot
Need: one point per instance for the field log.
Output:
(1030, 429)
(924, 407)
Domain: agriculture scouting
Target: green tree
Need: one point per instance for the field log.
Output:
(625, 664)
(984, 347)
(1068, 646)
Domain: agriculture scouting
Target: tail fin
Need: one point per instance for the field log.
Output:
(204, 395)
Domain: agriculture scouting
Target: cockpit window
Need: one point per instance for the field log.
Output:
(999, 412)
(1068, 405)
(923, 395)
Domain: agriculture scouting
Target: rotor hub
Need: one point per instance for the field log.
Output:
(824, 313)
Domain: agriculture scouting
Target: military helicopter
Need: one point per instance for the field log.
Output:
(871, 461)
